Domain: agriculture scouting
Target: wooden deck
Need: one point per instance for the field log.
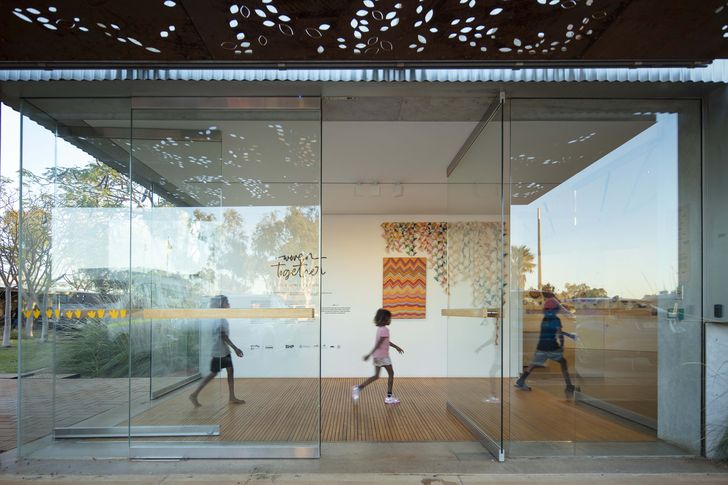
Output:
(280, 410)
(542, 414)
(421, 416)
(8, 409)
(286, 410)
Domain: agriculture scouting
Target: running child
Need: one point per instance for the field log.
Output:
(550, 346)
(380, 355)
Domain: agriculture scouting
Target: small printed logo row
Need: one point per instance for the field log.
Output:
(292, 346)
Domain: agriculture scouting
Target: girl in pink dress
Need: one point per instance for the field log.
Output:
(380, 353)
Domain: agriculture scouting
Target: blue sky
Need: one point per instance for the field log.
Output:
(614, 224)
(39, 150)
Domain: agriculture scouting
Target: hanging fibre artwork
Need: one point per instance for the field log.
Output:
(473, 255)
(429, 238)
(457, 251)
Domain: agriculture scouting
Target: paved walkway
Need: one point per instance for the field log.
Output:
(373, 463)
(378, 479)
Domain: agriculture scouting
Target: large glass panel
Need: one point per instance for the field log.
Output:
(35, 352)
(225, 277)
(475, 245)
(386, 219)
(75, 247)
(605, 245)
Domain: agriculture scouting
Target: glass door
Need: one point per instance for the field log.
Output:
(475, 250)
(224, 295)
(606, 226)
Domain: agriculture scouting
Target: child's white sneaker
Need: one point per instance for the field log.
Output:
(355, 393)
(391, 400)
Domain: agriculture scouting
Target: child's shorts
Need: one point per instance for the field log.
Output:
(218, 363)
(382, 361)
(541, 356)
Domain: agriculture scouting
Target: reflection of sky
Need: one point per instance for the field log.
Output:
(161, 238)
(613, 225)
(40, 147)
(161, 242)
(99, 237)
(9, 138)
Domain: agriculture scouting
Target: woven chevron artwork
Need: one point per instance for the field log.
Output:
(405, 287)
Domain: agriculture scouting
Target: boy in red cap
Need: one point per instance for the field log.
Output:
(550, 345)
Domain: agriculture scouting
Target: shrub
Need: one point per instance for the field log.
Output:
(92, 349)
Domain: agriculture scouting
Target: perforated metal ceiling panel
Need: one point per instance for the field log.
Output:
(291, 32)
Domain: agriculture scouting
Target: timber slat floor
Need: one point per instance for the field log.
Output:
(542, 414)
(284, 410)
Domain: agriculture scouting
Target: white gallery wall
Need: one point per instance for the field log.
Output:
(352, 292)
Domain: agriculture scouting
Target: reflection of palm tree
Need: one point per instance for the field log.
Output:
(522, 262)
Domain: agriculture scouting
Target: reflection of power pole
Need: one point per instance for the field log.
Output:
(538, 216)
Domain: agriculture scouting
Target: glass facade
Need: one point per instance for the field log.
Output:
(159, 235)
(476, 298)
(176, 251)
(605, 216)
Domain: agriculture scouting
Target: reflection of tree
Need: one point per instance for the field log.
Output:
(198, 224)
(80, 280)
(108, 284)
(35, 272)
(98, 185)
(571, 291)
(63, 189)
(548, 288)
(582, 290)
(36, 268)
(48, 230)
(86, 188)
(297, 233)
(522, 261)
(229, 255)
(8, 250)
(228, 261)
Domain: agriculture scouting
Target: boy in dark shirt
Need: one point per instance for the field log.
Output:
(221, 358)
(550, 346)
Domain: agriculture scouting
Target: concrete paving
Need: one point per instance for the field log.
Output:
(374, 463)
(367, 479)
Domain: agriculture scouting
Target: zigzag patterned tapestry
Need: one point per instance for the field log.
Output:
(405, 287)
